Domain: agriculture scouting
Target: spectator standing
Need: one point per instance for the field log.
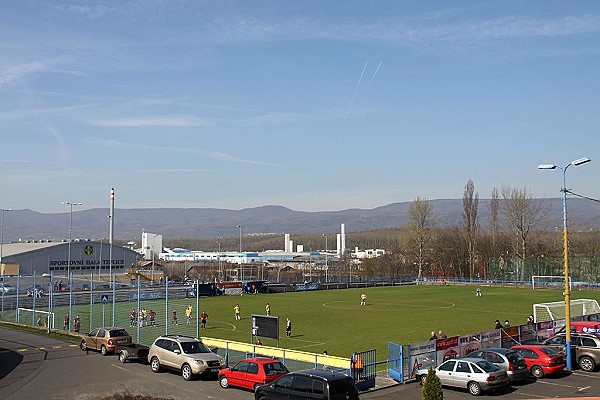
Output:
(433, 336)
(497, 325)
(66, 322)
(442, 335)
(506, 323)
(152, 316)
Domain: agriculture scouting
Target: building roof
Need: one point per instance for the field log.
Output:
(11, 249)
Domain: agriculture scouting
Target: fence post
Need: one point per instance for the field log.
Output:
(114, 293)
(18, 295)
(70, 279)
(91, 300)
(139, 317)
(33, 295)
(50, 296)
(166, 305)
(197, 307)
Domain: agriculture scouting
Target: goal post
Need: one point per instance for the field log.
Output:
(40, 318)
(556, 310)
(549, 282)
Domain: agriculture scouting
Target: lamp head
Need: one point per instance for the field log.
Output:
(547, 166)
(581, 161)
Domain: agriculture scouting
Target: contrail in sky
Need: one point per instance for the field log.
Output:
(374, 74)
(356, 90)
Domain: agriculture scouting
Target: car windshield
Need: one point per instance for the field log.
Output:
(275, 368)
(549, 351)
(487, 366)
(194, 348)
(118, 333)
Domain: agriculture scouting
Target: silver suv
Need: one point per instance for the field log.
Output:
(185, 354)
(585, 348)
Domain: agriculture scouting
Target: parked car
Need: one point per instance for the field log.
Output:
(312, 383)
(506, 359)
(7, 288)
(185, 354)
(251, 372)
(105, 339)
(38, 291)
(474, 374)
(541, 360)
(585, 348)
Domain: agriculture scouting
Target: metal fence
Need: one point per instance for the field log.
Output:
(79, 304)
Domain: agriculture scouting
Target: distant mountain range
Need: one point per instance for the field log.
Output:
(212, 222)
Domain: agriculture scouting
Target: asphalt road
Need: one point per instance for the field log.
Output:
(35, 367)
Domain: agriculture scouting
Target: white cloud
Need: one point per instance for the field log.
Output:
(18, 73)
(173, 121)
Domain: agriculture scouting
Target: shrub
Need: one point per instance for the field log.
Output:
(432, 388)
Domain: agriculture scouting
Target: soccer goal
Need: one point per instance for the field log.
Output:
(35, 317)
(556, 310)
(549, 282)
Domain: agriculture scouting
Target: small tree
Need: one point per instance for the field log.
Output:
(432, 388)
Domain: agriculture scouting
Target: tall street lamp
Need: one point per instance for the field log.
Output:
(68, 203)
(241, 267)
(3, 210)
(326, 268)
(564, 191)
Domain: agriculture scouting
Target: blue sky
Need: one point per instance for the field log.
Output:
(312, 105)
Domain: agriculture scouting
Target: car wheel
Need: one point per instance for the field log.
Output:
(474, 388)
(537, 371)
(587, 364)
(103, 350)
(155, 364)
(123, 356)
(83, 345)
(186, 372)
(422, 379)
(223, 381)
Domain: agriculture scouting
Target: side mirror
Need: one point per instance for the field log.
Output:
(177, 351)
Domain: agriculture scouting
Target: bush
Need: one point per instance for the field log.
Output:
(432, 388)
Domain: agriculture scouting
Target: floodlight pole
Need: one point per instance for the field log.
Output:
(567, 293)
(241, 266)
(69, 277)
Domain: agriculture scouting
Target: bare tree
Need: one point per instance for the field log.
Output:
(494, 220)
(421, 222)
(522, 214)
(470, 224)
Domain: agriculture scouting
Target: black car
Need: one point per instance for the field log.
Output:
(312, 383)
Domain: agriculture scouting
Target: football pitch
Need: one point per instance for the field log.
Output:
(334, 321)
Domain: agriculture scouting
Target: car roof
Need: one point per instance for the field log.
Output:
(500, 350)
(261, 360)
(180, 338)
(324, 374)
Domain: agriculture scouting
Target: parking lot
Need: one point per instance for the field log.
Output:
(34, 367)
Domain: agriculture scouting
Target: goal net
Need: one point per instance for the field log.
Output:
(556, 310)
(39, 318)
(549, 282)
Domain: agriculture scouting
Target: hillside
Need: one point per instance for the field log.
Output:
(211, 222)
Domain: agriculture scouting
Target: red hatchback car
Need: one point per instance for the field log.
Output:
(541, 360)
(251, 372)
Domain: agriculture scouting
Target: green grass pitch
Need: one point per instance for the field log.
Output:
(333, 320)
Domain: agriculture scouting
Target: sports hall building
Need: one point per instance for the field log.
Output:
(86, 257)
